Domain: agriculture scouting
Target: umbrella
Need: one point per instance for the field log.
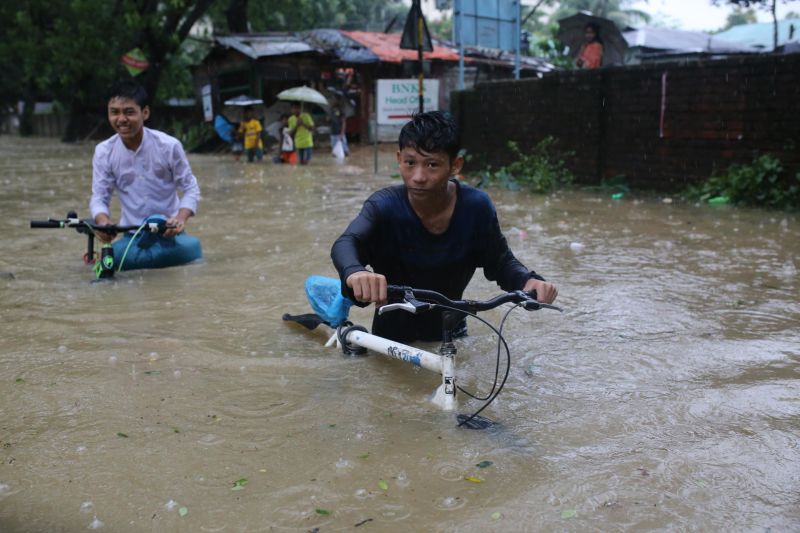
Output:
(570, 32)
(303, 94)
(236, 106)
(243, 101)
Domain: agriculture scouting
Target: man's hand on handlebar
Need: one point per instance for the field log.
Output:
(178, 222)
(545, 292)
(368, 286)
(103, 220)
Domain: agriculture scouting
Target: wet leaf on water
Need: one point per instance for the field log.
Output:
(484, 464)
(152, 372)
(239, 484)
(19, 380)
(383, 485)
(473, 479)
(123, 435)
(331, 425)
(183, 511)
(569, 513)
(176, 430)
(363, 455)
(323, 512)
(496, 516)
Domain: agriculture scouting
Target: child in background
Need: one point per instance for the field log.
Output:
(288, 154)
(237, 146)
(251, 130)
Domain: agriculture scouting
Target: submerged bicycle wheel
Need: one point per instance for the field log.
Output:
(474, 422)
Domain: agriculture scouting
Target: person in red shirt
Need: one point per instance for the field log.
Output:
(591, 52)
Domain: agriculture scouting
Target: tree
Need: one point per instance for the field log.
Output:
(69, 50)
(298, 15)
(740, 16)
(766, 5)
(610, 9)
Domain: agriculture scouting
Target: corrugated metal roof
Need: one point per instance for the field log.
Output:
(255, 46)
(358, 47)
(759, 36)
(668, 39)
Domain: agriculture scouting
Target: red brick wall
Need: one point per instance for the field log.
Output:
(717, 112)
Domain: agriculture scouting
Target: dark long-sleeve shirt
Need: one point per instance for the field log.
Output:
(389, 237)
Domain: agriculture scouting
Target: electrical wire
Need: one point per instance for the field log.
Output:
(496, 393)
(501, 343)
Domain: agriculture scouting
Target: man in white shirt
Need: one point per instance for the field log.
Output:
(146, 167)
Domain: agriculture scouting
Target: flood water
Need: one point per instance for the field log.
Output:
(665, 397)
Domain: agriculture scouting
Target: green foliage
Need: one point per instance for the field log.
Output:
(610, 9)
(192, 136)
(613, 185)
(298, 15)
(740, 16)
(553, 51)
(539, 170)
(68, 51)
(441, 28)
(762, 182)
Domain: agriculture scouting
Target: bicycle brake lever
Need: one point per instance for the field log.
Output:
(405, 306)
(535, 306)
(410, 305)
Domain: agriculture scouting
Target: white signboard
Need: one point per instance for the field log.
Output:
(398, 100)
(208, 111)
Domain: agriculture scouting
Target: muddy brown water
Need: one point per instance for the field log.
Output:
(665, 397)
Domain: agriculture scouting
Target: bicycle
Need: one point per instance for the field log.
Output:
(105, 266)
(355, 339)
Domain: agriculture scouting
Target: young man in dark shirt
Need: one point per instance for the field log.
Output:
(432, 232)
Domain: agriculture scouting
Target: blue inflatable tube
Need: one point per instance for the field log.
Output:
(148, 250)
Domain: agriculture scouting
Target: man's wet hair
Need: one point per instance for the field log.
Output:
(129, 89)
(430, 132)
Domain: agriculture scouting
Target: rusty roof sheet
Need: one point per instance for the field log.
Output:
(387, 47)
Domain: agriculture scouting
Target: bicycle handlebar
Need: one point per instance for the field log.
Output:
(45, 224)
(82, 225)
(423, 300)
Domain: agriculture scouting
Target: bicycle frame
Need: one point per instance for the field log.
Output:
(104, 266)
(354, 339)
(442, 363)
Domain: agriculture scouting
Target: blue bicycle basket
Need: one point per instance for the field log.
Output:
(325, 296)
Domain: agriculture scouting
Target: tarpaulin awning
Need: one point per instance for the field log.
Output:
(344, 48)
(387, 47)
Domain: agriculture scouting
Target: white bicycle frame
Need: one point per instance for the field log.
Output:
(443, 363)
